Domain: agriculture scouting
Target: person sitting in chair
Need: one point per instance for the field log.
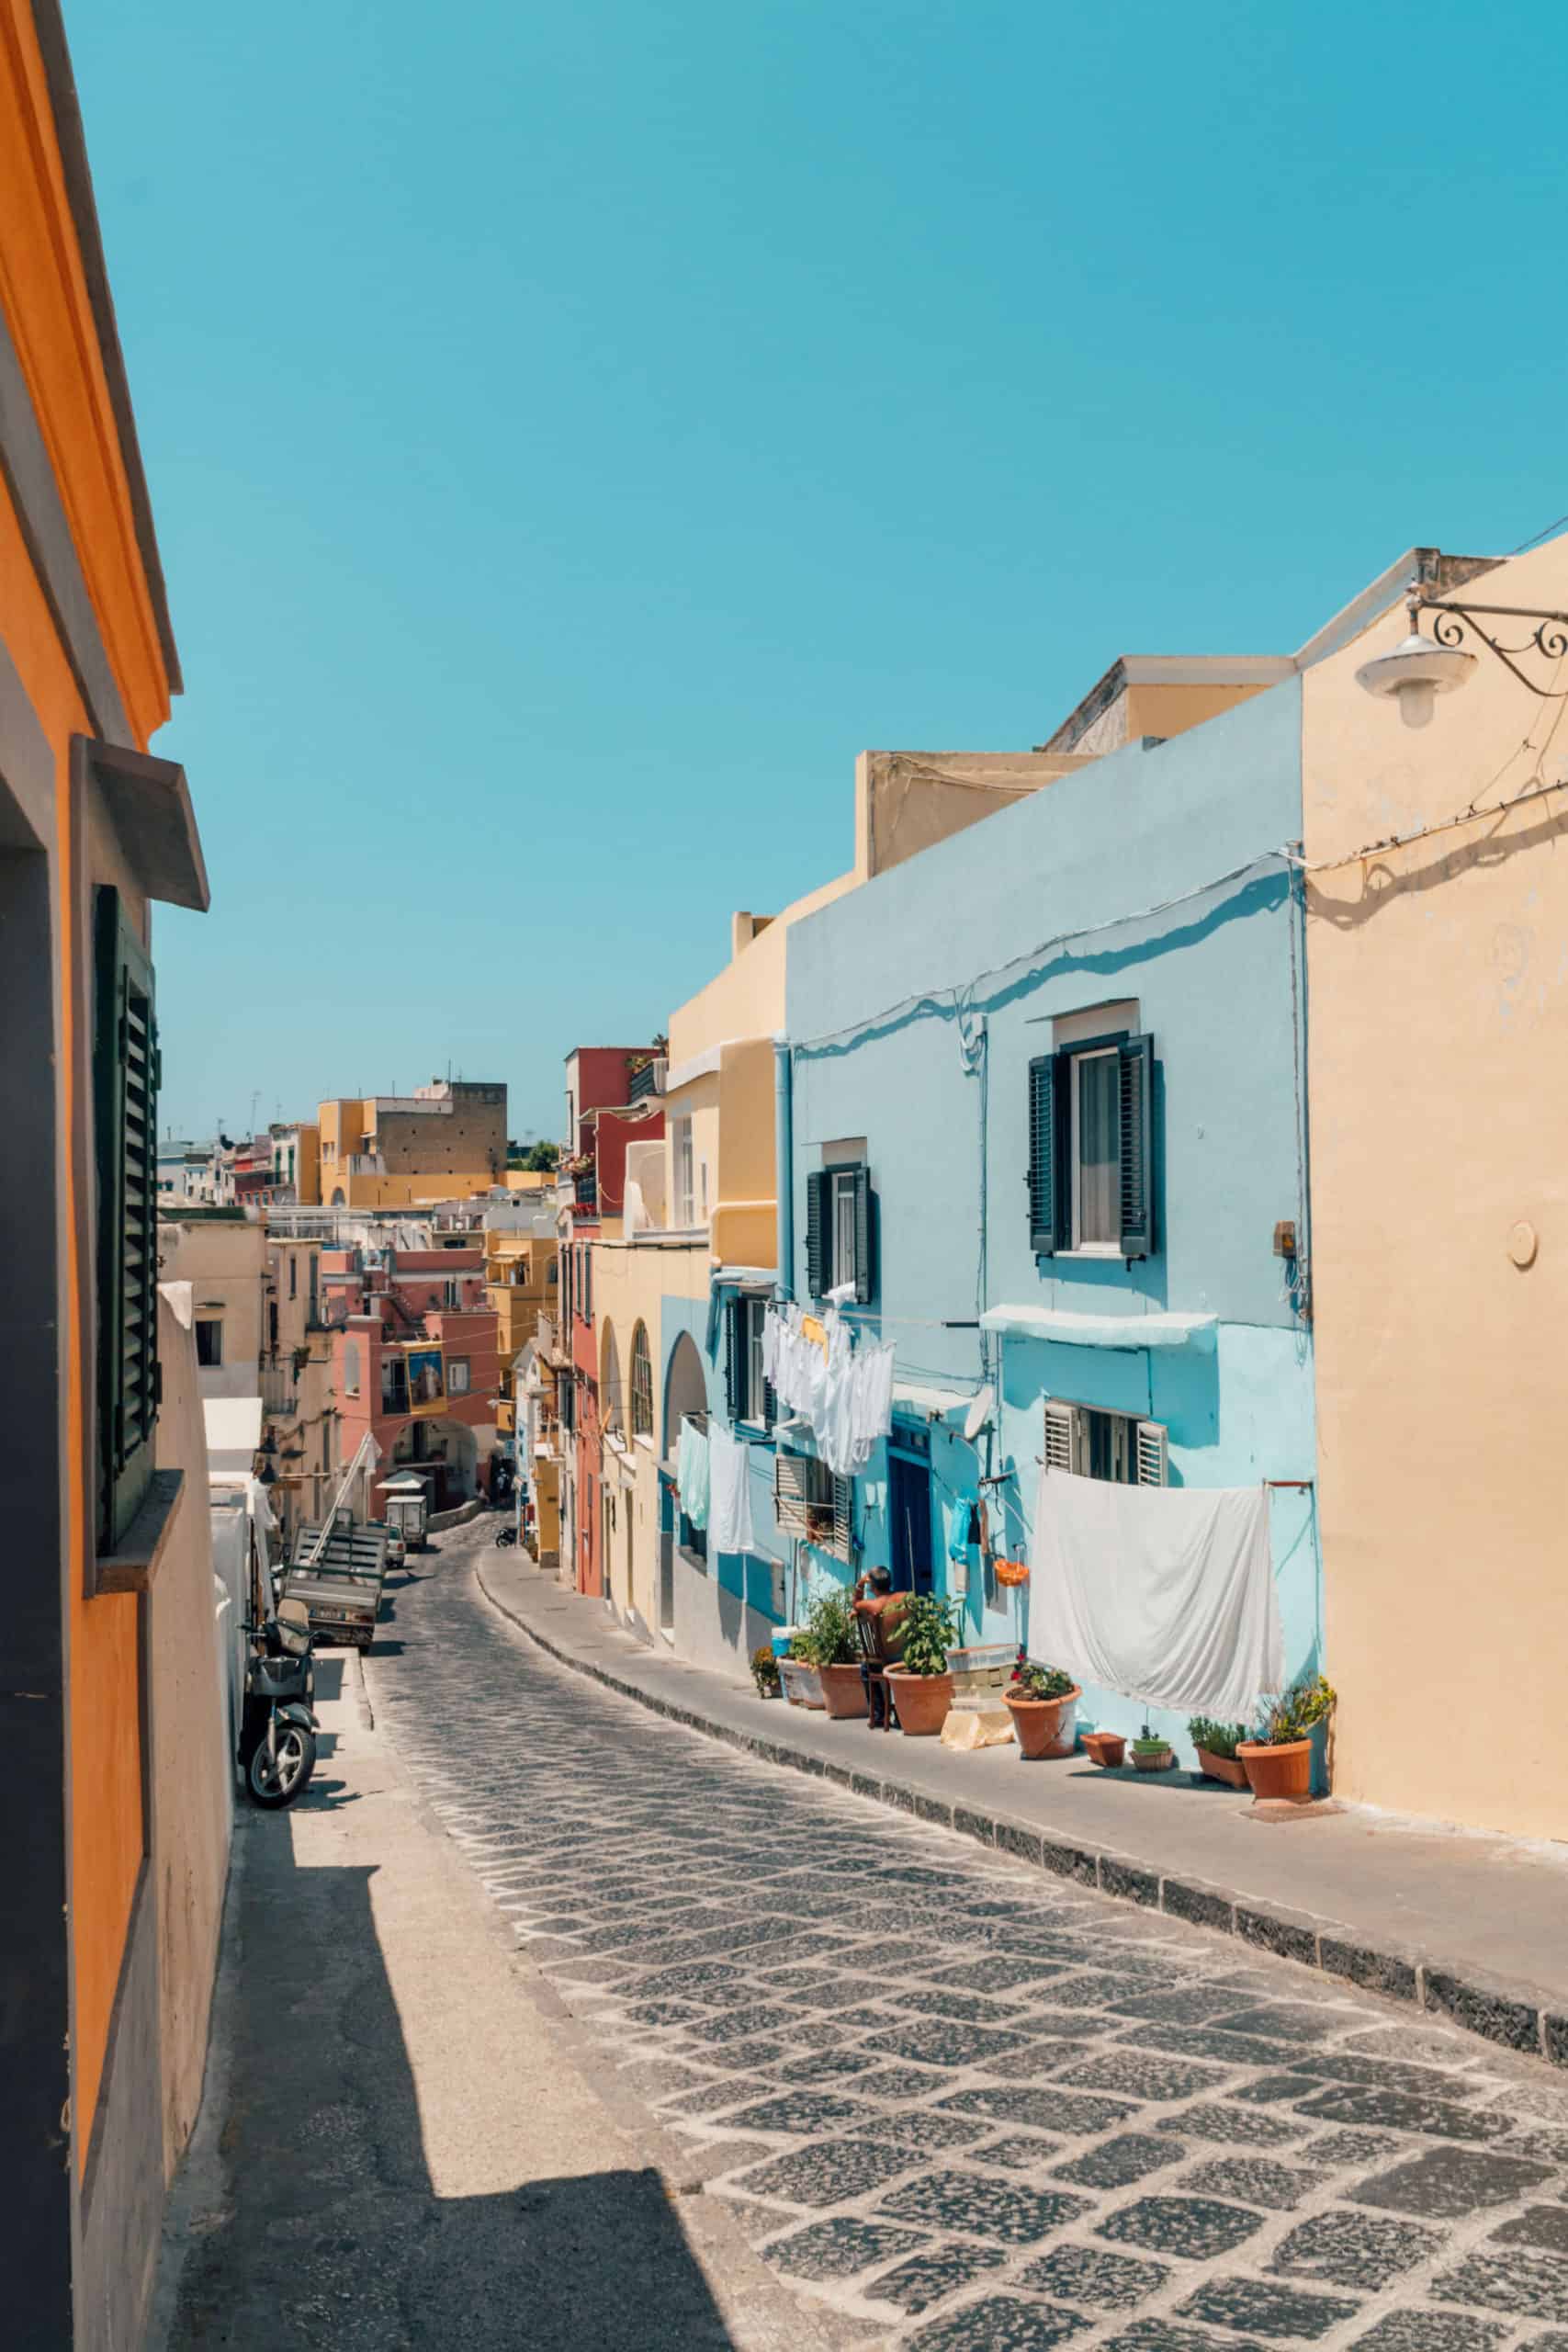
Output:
(881, 1612)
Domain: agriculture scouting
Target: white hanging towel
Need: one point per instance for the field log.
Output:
(1162, 1593)
(729, 1497)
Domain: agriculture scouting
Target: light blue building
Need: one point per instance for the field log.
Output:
(1047, 1100)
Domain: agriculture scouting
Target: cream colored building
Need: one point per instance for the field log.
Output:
(300, 1441)
(1437, 968)
(222, 1254)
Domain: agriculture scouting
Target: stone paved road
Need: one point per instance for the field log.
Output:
(963, 2107)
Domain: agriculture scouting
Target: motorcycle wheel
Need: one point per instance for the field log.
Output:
(276, 1780)
(505, 1539)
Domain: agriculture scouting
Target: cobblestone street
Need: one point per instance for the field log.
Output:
(954, 2102)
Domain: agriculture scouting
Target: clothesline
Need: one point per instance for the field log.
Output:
(843, 1392)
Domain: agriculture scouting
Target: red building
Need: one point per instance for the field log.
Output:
(610, 1101)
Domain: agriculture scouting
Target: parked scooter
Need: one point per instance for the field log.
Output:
(505, 1536)
(277, 1728)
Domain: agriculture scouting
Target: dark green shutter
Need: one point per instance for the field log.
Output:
(865, 1238)
(817, 1204)
(125, 1105)
(734, 1377)
(1137, 1058)
(1048, 1194)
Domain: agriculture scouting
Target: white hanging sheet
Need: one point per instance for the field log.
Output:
(692, 1473)
(1162, 1593)
(729, 1505)
(843, 1391)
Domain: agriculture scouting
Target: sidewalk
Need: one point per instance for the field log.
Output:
(406, 2138)
(1472, 1925)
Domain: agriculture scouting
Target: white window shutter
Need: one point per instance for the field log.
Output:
(843, 1518)
(790, 1490)
(1151, 1453)
(1063, 1444)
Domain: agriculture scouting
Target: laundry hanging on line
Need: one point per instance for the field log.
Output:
(1164, 1594)
(843, 1392)
(729, 1468)
(692, 1473)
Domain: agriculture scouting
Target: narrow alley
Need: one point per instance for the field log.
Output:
(546, 2023)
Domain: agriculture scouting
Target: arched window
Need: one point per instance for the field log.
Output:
(642, 1383)
(351, 1368)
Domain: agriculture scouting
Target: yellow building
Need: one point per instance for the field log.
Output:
(445, 1141)
(1438, 1028)
(521, 1286)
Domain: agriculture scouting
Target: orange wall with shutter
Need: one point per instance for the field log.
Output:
(44, 297)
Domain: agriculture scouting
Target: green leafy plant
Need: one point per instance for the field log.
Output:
(1296, 1713)
(1032, 1682)
(765, 1671)
(831, 1631)
(1215, 1739)
(929, 1631)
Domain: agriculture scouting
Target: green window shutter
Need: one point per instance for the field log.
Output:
(734, 1377)
(1137, 1058)
(125, 1107)
(816, 1231)
(1048, 1192)
(865, 1238)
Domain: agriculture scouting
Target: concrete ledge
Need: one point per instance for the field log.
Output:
(1516, 2015)
(458, 1518)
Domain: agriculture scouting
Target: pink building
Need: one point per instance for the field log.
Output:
(427, 1393)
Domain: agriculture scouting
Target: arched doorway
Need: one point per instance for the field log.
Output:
(685, 1392)
(444, 1455)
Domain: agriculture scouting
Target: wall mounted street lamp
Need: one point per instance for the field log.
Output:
(1420, 668)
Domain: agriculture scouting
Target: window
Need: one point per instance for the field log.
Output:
(749, 1396)
(209, 1340)
(1091, 1149)
(811, 1502)
(452, 1293)
(351, 1368)
(293, 1275)
(327, 1443)
(686, 1202)
(125, 1113)
(552, 1275)
(394, 1384)
(588, 1285)
(1113, 1446)
(642, 1383)
(839, 1231)
(457, 1375)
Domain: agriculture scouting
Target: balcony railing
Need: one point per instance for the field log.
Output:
(585, 1190)
(280, 1391)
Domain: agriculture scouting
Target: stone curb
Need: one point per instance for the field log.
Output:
(1508, 2014)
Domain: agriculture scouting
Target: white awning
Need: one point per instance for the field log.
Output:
(1159, 1331)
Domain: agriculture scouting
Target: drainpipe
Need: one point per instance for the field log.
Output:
(784, 1165)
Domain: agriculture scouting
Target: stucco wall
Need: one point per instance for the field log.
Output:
(1439, 1025)
(192, 1765)
(944, 1105)
(225, 1261)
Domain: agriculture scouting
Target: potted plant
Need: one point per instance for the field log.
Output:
(1217, 1745)
(920, 1683)
(1279, 1759)
(835, 1652)
(1151, 1754)
(798, 1672)
(765, 1672)
(1037, 1699)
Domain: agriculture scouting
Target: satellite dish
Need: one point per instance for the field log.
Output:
(979, 1413)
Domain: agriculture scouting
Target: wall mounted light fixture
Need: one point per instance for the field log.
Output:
(1420, 668)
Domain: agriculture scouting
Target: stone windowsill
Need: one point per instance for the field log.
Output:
(133, 1564)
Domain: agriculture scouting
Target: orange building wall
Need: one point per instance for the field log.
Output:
(44, 295)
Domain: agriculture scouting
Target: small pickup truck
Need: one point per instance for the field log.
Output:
(342, 1589)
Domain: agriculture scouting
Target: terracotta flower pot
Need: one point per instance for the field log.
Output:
(1106, 1748)
(1282, 1770)
(843, 1692)
(1037, 1724)
(1154, 1760)
(1229, 1769)
(923, 1701)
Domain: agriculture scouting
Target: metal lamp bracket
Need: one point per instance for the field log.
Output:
(1547, 641)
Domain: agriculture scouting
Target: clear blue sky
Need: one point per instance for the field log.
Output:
(575, 432)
